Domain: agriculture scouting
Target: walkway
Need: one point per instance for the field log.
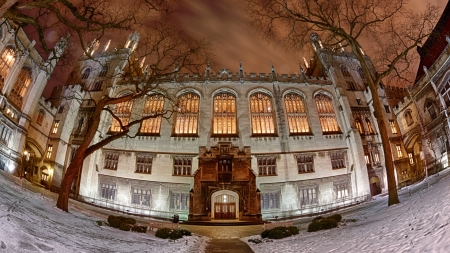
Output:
(228, 245)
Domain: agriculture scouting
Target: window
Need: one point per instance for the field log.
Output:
(141, 197)
(5, 134)
(49, 151)
(109, 191)
(55, 127)
(358, 101)
(123, 112)
(398, 147)
(153, 107)
(366, 157)
(111, 160)
(224, 119)
(376, 156)
(326, 114)
(270, 200)
(337, 160)
(187, 114)
(86, 73)
(341, 190)
(351, 85)
(21, 85)
(307, 196)
(267, 166)
(296, 114)
(61, 109)
(305, 164)
(411, 158)
(408, 118)
(445, 93)
(144, 164)
(359, 126)
(182, 166)
(393, 128)
(104, 71)
(431, 110)
(261, 113)
(363, 77)
(97, 86)
(348, 78)
(345, 71)
(387, 108)
(369, 126)
(6, 61)
(179, 201)
(40, 117)
(10, 112)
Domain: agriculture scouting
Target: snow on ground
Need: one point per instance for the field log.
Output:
(420, 223)
(30, 222)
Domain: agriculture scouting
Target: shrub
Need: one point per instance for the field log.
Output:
(185, 232)
(111, 217)
(318, 218)
(124, 226)
(139, 229)
(275, 234)
(255, 241)
(336, 217)
(294, 230)
(175, 234)
(99, 223)
(265, 233)
(130, 221)
(163, 233)
(328, 223)
(314, 226)
(114, 222)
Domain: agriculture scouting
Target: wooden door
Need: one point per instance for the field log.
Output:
(217, 211)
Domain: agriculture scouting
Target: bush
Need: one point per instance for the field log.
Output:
(130, 221)
(175, 234)
(185, 232)
(314, 226)
(255, 241)
(336, 217)
(114, 222)
(163, 233)
(275, 234)
(328, 223)
(139, 229)
(318, 218)
(294, 230)
(99, 223)
(265, 233)
(124, 226)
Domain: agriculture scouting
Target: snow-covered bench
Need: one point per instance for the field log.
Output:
(275, 224)
(161, 224)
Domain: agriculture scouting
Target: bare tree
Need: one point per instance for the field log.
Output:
(388, 27)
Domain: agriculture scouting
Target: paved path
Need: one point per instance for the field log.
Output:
(227, 246)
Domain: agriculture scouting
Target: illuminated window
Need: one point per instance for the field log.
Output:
(40, 117)
(187, 114)
(224, 121)
(359, 126)
(411, 158)
(267, 166)
(86, 73)
(153, 107)
(369, 126)
(408, 118)
(270, 200)
(49, 151)
(6, 61)
(55, 127)
(21, 86)
(141, 197)
(103, 72)
(144, 164)
(262, 115)
(111, 160)
(305, 164)
(182, 166)
(337, 160)
(341, 190)
(123, 112)
(445, 93)
(109, 191)
(307, 196)
(376, 156)
(326, 114)
(296, 114)
(431, 111)
(393, 127)
(179, 201)
(398, 147)
(366, 157)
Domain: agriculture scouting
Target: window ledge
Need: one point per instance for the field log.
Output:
(306, 172)
(176, 175)
(265, 175)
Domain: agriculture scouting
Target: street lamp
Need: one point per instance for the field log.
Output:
(26, 156)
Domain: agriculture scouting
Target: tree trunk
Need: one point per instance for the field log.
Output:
(63, 197)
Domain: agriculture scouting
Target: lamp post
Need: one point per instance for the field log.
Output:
(26, 157)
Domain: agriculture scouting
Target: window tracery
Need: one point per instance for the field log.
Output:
(224, 120)
(327, 116)
(153, 106)
(6, 61)
(123, 112)
(187, 114)
(261, 114)
(296, 114)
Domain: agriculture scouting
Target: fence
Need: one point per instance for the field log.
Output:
(314, 209)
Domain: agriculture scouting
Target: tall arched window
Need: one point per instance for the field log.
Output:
(153, 107)
(6, 61)
(359, 126)
(20, 87)
(445, 93)
(123, 112)
(104, 71)
(262, 114)
(369, 126)
(326, 114)
(296, 114)
(86, 73)
(363, 77)
(187, 114)
(348, 78)
(408, 118)
(224, 120)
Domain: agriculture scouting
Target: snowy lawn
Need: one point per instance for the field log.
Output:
(420, 223)
(30, 222)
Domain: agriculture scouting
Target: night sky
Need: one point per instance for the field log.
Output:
(224, 23)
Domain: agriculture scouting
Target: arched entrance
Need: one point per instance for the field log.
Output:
(375, 187)
(224, 205)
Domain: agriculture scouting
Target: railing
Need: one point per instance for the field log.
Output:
(315, 209)
(135, 210)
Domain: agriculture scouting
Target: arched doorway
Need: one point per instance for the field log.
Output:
(224, 205)
(375, 187)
